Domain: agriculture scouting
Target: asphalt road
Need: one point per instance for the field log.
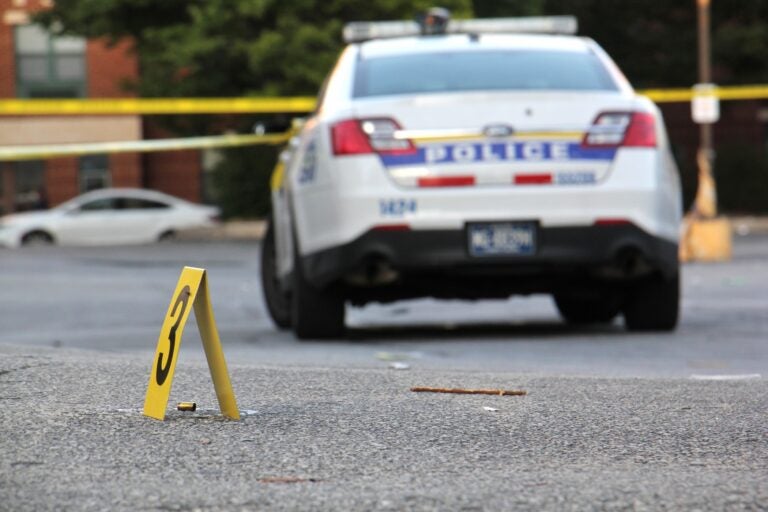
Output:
(611, 421)
(114, 299)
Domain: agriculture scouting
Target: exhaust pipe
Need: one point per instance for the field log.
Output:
(376, 270)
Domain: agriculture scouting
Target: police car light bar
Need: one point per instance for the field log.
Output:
(359, 31)
(534, 24)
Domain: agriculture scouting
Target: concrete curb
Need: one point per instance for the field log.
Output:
(230, 230)
(746, 225)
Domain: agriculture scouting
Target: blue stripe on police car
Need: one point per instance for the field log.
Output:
(489, 152)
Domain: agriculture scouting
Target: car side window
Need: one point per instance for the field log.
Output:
(98, 205)
(135, 203)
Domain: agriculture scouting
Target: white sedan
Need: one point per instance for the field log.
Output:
(474, 164)
(107, 217)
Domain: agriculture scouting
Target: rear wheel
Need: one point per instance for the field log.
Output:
(167, 236)
(36, 238)
(278, 301)
(653, 305)
(588, 309)
(318, 313)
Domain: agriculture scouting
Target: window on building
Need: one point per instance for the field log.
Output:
(29, 184)
(49, 66)
(94, 172)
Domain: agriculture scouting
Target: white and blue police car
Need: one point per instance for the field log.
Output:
(475, 159)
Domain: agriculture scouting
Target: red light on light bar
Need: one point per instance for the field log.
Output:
(446, 181)
(533, 179)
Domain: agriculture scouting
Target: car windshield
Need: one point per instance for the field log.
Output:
(481, 70)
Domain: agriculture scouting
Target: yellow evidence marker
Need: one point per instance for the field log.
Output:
(191, 292)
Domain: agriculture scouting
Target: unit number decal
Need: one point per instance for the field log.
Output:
(397, 207)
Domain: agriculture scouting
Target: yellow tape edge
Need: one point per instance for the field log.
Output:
(15, 153)
(515, 136)
(741, 92)
(294, 104)
(148, 106)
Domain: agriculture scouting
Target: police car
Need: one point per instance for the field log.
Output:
(475, 159)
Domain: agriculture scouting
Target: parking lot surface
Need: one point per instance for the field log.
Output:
(610, 421)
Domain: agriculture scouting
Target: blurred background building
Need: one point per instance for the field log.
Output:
(36, 64)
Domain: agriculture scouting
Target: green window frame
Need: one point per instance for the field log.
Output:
(47, 65)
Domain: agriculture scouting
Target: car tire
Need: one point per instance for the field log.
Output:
(167, 236)
(653, 305)
(37, 238)
(278, 301)
(592, 309)
(318, 313)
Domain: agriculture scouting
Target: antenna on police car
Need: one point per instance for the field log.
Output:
(437, 21)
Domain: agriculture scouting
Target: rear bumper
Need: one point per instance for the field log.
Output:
(423, 262)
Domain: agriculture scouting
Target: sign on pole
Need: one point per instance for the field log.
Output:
(705, 105)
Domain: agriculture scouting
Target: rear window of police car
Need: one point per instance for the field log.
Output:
(477, 70)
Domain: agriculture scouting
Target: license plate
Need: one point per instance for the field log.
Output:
(501, 238)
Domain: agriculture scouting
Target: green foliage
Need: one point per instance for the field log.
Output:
(655, 41)
(741, 173)
(507, 8)
(231, 47)
(241, 181)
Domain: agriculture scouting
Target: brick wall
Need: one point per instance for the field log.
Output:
(174, 172)
(7, 65)
(126, 170)
(110, 68)
(61, 179)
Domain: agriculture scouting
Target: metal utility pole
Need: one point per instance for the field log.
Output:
(706, 197)
(705, 64)
(705, 237)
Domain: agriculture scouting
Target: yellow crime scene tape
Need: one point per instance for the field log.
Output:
(288, 105)
(37, 152)
(150, 106)
(189, 106)
(740, 92)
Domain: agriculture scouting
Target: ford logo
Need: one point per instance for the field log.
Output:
(498, 130)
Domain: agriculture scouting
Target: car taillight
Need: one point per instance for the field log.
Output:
(348, 138)
(627, 129)
(361, 136)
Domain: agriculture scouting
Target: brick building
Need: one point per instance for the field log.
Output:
(35, 64)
